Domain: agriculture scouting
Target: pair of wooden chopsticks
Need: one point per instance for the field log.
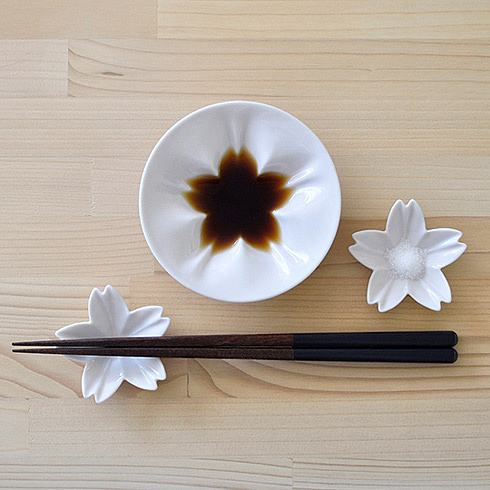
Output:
(425, 346)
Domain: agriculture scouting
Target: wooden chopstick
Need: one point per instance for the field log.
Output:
(324, 340)
(423, 355)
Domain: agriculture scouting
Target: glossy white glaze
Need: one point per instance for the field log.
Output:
(109, 316)
(279, 143)
(407, 241)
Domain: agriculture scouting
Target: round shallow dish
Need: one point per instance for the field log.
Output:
(279, 142)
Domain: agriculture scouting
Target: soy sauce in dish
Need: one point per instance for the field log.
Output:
(238, 202)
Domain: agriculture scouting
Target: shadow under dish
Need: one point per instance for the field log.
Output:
(238, 202)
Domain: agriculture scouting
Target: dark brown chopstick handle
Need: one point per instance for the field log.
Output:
(215, 340)
(439, 356)
(167, 352)
(372, 340)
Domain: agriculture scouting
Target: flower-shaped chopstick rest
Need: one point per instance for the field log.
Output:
(407, 258)
(109, 316)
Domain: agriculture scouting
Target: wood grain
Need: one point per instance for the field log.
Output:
(323, 18)
(36, 187)
(143, 473)
(397, 92)
(129, 128)
(37, 306)
(251, 428)
(33, 68)
(76, 18)
(324, 68)
(435, 472)
(103, 247)
(114, 186)
(14, 428)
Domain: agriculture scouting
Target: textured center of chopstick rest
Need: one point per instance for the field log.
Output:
(110, 317)
(238, 202)
(406, 261)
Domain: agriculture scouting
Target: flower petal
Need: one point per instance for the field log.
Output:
(146, 322)
(392, 294)
(372, 258)
(108, 311)
(143, 372)
(374, 239)
(202, 198)
(434, 239)
(79, 331)
(155, 367)
(421, 292)
(253, 233)
(414, 222)
(90, 376)
(395, 224)
(436, 281)
(445, 255)
(212, 227)
(378, 282)
(102, 377)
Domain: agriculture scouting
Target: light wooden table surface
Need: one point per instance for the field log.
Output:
(397, 92)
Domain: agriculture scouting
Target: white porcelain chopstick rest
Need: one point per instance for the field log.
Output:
(109, 316)
(407, 258)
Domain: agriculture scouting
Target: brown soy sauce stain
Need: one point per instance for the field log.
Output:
(238, 202)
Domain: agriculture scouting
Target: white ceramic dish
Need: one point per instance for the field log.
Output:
(279, 143)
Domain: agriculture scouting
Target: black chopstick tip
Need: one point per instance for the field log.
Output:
(454, 353)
